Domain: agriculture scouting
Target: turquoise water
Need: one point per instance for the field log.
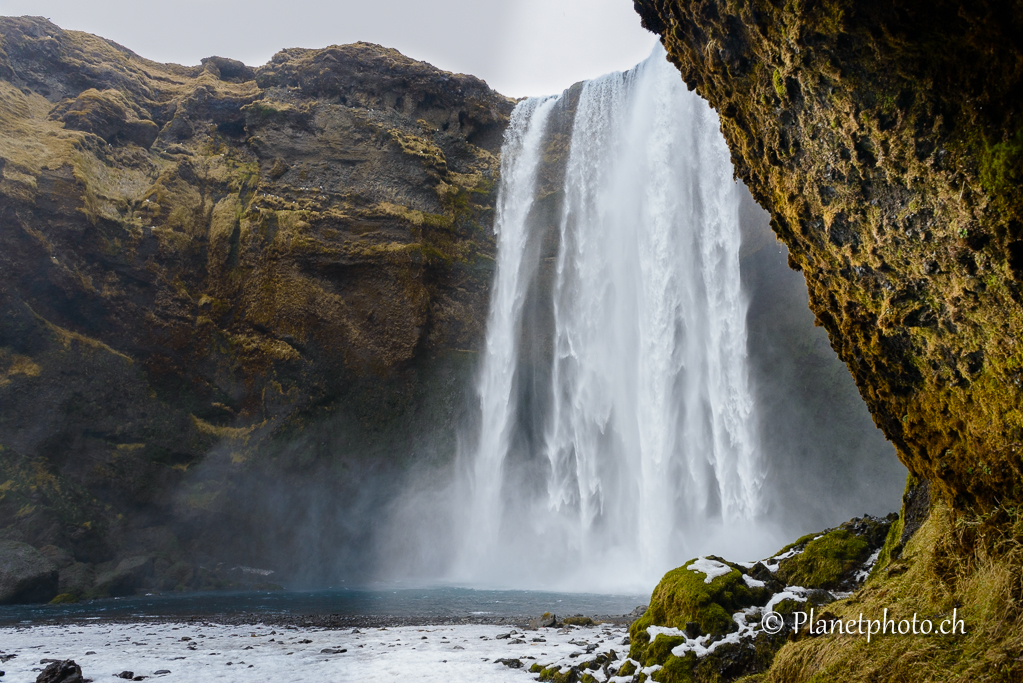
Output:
(395, 602)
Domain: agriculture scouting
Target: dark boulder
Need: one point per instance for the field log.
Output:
(25, 574)
(61, 672)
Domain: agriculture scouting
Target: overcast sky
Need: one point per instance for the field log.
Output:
(520, 47)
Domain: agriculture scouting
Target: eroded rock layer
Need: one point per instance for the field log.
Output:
(886, 140)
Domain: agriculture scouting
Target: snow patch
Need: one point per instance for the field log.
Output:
(712, 568)
(863, 573)
(753, 583)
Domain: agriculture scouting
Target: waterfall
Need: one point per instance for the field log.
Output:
(617, 431)
(521, 155)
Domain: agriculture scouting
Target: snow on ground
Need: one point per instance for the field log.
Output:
(194, 653)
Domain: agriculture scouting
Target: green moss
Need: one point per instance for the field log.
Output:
(892, 542)
(554, 675)
(660, 649)
(64, 599)
(262, 110)
(802, 540)
(627, 669)
(578, 621)
(677, 669)
(683, 596)
(824, 561)
(779, 84)
(1001, 165)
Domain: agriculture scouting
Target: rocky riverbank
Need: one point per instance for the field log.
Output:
(201, 651)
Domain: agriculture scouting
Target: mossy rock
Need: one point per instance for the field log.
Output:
(826, 561)
(684, 597)
(627, 669)
(660, 649)
(64, 599)
(578, 620)
(554, 675)
(676, 669)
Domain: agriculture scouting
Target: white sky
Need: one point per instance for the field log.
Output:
(520, 47)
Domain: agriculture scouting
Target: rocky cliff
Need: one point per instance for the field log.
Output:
(207, 271)
(886, 140)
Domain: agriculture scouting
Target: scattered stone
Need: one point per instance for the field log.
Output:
(510, 663)
(161, 672)
(304, 641)
(61, 672)
(546, 620)
(126, 675)
(333, 651)
(637, 612)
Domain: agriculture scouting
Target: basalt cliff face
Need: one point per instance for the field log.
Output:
(225, 290)
(886, 140)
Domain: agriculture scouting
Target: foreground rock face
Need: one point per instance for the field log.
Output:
(218, 283)
(25, 574)
(886, 140)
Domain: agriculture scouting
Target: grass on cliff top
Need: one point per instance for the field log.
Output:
(973, 565)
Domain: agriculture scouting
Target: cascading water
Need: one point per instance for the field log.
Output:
(521, 155)
(627, 438)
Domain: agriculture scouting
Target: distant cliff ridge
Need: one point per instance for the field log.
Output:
(216, 278)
